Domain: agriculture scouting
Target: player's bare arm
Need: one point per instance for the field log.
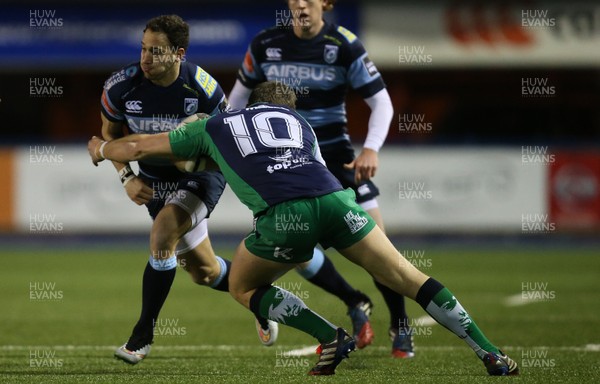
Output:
(135, 187)
(130, 148)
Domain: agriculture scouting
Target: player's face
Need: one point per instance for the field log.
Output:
(307, 14)
(158, 57)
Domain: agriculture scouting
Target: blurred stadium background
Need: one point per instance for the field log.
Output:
(495, 140)
(496, 125)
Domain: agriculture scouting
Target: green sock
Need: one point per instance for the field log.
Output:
(447, 311)
(286, 308)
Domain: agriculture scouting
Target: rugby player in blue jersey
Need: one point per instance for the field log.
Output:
(152, 96)
(270, 157)
(320, 61)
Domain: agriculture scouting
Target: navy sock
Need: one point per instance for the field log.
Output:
(395, 303)
(222, 282)
(155, 289)
(427, 292)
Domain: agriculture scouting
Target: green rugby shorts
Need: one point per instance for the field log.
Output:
(289, 231)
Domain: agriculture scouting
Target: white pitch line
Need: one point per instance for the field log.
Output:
(518, 300)
(312, 348)
(113, 347)
(305, 351)
(510, 301)
(425, 320)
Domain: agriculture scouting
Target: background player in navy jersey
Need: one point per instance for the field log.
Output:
(248, 146)
(320, 61)
(154, 96)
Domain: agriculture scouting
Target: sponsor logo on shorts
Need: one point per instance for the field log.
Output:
(282, 253)
(355, 222)
(364, 190)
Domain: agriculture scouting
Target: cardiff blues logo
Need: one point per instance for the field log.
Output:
(330, 53)
(190, 105)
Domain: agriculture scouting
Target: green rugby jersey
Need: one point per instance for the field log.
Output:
(267, 153)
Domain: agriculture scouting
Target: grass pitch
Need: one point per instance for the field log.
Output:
(64, 311)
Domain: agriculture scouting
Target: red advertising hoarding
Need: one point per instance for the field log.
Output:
(574, 187)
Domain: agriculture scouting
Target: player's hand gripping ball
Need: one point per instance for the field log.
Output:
(200, 162)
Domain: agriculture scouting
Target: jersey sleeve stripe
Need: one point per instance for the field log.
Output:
(250, 73)
(248, 64)
(108, 107)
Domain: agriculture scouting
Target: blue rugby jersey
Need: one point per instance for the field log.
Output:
(144, 107)
(320, 70)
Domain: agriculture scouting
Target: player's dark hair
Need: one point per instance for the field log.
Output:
(177, 30)
(273, 92)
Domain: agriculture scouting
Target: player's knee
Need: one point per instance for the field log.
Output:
(202, 274)
(162, 239)
(169, 226)
(237, 294)
(236, 291)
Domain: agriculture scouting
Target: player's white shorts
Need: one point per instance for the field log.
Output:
(197, 210)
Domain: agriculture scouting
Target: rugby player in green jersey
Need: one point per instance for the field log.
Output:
(270, 157)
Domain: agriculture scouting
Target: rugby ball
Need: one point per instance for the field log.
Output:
(199, 163)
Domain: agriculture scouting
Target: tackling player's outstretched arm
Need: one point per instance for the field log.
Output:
(130, 148)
